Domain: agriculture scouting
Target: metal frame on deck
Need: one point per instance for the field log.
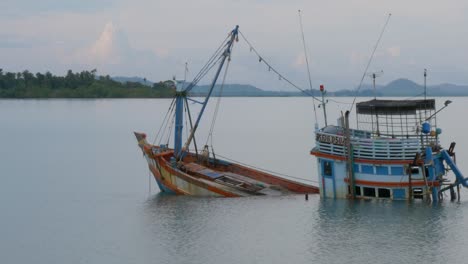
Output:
(396, 118)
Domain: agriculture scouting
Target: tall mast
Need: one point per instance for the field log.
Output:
(179, 117)
(225, 55)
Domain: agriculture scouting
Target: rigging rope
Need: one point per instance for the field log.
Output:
(307, 63)
(265, 170)
(209, 64)
(170, 129)
(281, 76)
(215, 115)
(164, 121)
(186, 121)
(369, 62)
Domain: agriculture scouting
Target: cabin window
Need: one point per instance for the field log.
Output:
(369, 192)
(367, 169)
(384, 193)
(356, 167)
(327, 168)
(418, 193)
(357, 190)
(394, 170)
(381, 170)
(414, 170)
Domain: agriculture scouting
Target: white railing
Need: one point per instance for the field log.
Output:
(368, 148)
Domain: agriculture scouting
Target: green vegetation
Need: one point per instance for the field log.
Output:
(76, 85)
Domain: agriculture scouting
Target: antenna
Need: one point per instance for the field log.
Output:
(370, 60)
(185, 75)
(425, 76)
(374, 75)
(324, 103)
(308, 68)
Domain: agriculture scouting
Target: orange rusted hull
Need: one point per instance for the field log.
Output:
(212, 177)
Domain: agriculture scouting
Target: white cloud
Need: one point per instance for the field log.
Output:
(394, 51)
(300, 61)
(357, 58)
(110, 48)
(105, 49)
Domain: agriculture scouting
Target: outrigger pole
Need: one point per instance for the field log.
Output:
(178, 151)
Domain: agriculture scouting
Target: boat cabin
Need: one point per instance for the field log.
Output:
(389, 137)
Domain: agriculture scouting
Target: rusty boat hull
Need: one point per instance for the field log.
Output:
(212, 177)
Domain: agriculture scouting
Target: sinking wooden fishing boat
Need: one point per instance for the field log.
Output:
(179, 170)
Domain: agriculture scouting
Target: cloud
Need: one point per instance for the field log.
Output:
(111, 53)
(110, 48)
(300, 61)
(24, 8)
(107, 48)
(357, 58)
(14, 42)
(393, 51)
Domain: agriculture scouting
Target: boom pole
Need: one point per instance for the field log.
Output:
(226, 54)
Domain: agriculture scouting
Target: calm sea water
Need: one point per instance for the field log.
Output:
(74, 189)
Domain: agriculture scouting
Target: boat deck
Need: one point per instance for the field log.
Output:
(234, 180)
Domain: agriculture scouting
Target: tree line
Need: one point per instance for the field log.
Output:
(85, 84)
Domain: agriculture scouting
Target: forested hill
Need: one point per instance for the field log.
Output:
(85, 84)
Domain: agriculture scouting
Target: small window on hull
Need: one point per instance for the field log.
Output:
(357, 190)
(418, 193)
(414, 170)
(384, 193)
(369, 192)
(327, 168)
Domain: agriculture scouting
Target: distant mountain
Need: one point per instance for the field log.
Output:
(241, 90)
(229, 90)
(399, 87)
(405, 87)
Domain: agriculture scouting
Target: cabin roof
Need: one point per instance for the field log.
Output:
(394, 106)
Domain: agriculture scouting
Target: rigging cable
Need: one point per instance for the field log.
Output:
(307, 63)
(170, 129)
(164, 120)
(281, 77)
(209, 64)
(215, 115)
(370, 60)
(265, 170)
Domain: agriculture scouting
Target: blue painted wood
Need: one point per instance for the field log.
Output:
(164, 188)
(356, 168)
(399, 194)
(331, 176)
(179, 119)
(396, 170)
(368, 169)
(381, 170)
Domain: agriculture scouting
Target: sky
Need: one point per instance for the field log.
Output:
(154, 39)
